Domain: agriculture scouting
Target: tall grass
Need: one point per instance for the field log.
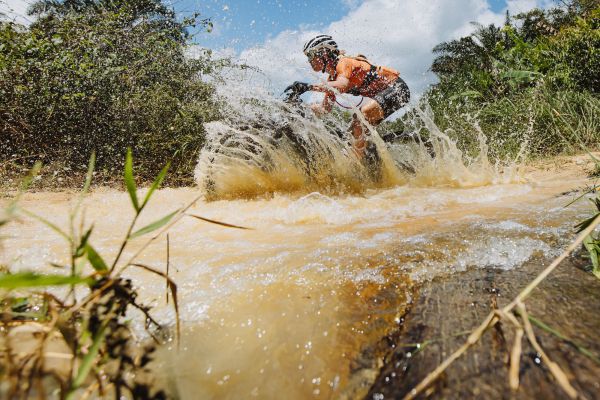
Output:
(91, 327)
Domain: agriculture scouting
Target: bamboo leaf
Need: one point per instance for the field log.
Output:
(153, 226)
(159, 179)
(130, 182)
(32, 279)
(95, 259)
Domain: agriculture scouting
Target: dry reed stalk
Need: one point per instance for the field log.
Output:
(515, 360)
(495, 316)
(554, 368)
(167, 272)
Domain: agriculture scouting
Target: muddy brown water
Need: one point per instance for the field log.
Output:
(318, 298)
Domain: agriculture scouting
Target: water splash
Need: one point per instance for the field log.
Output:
(264, 145)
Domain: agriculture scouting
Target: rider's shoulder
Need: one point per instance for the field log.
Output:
(345, 65)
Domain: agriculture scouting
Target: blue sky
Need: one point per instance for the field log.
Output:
(240, 24)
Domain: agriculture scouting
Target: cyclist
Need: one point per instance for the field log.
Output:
(387, 92)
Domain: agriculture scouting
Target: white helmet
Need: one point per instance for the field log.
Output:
(320, 42)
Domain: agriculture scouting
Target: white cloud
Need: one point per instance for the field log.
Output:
(400, 34)
(16, 10)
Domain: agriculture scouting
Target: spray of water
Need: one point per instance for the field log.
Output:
(264, 145)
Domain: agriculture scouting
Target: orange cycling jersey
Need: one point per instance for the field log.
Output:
(365, 78)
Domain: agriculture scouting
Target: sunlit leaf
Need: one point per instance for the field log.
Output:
(32, 279)
(95, 259)
(130, 182)
(153, 226)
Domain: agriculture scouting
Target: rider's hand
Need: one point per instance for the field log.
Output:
(298, 88)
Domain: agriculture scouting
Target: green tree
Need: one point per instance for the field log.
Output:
(104, 75)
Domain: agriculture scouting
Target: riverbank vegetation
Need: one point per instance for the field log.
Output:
(536, 79)
(68, 334)
(96, 75)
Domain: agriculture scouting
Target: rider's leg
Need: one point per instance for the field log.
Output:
(359, 138)
(373, 112)
(374, 115)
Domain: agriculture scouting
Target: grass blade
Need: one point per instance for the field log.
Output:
(130, 182)
(153, 226)
(95, 259)
(88, 362)
(86, 186)
(43, 220)
(159, 179)
(559, 335)
(32, 279)
(25, 183)
(80, 250)
(580, 227)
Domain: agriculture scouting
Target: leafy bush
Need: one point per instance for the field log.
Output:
(535, 81)
(104, 75)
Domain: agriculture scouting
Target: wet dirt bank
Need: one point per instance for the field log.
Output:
(449, 307)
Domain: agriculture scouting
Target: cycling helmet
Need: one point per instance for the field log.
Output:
(318, 43)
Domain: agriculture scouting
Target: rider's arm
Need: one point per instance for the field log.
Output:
(340, 85)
